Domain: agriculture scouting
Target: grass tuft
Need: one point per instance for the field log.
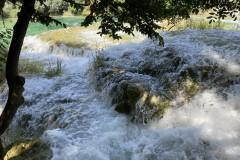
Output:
(28, 66)
(55, 70)
(204, 25)
(98, 61)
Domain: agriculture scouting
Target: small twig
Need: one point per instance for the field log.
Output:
(171, 27)
(113, 7)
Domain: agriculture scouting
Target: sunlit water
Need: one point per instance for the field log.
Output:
(38, 28)
(81, 124)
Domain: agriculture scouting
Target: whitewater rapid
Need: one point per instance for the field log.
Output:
(80, 123)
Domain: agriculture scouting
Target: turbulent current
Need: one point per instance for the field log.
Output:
(81, 124)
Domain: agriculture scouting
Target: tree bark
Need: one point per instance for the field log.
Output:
(1, 150)
(15, 82)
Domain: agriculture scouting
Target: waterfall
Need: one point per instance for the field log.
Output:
(197, 72)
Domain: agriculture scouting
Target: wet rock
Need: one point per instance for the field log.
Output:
(139, 103)
(148, 68)
(161, 104)
(25, 48)
(27, 149)
(191, 88)
(129, 97)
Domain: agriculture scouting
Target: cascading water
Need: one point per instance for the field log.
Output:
(80, 123)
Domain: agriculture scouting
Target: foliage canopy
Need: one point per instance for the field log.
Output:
(144, 16)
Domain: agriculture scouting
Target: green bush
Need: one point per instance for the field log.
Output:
(54, 7)
(10, 11)
(13, 13)
(5, 37)
(72, 12)
(6, 14)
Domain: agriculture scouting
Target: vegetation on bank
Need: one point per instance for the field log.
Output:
(5, 37)
(52, 7)
(202, 24)
(28, 67)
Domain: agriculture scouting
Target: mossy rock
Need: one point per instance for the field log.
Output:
(27, 149)
(191, 88)
(25, 48)
(128, 99)
(189, 72)
(149, 69)
(161, 105)
(133, 93)
(124, 107)
(135, 99)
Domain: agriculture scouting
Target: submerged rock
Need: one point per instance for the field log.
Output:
(139, 103)
(130, 95)
(191, 88)
(161, 104)
(27, 149)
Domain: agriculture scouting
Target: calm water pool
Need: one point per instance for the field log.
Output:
(38, 28)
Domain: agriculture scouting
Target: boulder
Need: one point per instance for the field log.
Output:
(27, 149)
(129, 97)
(138, 102)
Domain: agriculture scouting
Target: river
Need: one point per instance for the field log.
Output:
(81, 124)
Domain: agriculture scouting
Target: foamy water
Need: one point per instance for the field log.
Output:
(80, 123)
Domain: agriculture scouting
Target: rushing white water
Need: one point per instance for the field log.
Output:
(80, 123)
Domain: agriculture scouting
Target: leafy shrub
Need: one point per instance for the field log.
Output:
(72, 12)
(6, 14)
(5, 37)
(98, 61)
(13, 13)
(54, 7)
(10, 11)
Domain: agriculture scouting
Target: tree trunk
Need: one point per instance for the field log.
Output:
(1, 150)
(15, 82)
